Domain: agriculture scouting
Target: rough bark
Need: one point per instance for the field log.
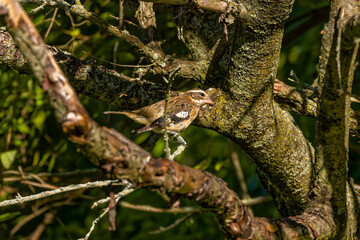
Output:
(338, 56)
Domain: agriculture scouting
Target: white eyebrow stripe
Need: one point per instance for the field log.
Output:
(182, 114)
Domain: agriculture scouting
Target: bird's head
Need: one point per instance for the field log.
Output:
(200, 97)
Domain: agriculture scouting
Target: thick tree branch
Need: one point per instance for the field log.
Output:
(21, 200)
(337, 61)
(303, 102)
(146, 18)
(245, 112)
(300, 101)
(211, 5)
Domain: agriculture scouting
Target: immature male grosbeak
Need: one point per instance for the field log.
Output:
(181, 111)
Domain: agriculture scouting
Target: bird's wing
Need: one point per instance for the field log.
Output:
(178, 111)
(145, 115)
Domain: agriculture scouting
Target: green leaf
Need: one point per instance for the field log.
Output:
(7, 158)
(52, 162)
(39, 119)
(23, 127)
(204, 164)
(7, 216)
(219, 165)
(76, 32)
(44, 158)
(36, 159)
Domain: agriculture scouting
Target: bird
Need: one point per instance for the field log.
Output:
(181, 111)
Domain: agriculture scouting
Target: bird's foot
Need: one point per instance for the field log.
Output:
(182, 145)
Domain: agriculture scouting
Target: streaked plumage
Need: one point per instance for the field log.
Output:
(181, 111)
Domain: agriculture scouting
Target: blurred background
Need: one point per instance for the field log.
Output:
(32, 143)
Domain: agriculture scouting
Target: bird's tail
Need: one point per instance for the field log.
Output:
(131, 114)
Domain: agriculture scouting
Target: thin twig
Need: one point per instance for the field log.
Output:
(20, 200)
(147, 208)
(127, 21)
(121, 13)
(37, 9)
(297, 81)
(51, 24)
(102, 24)
(353, 63)
(239, 173)
(354, 98)
(166, 136)
(64, 228)
(37, 213)
(338, 28)
(60, 174)
(40, 185)
(48, 219)
(94, 224)
(256, 200)
(124, 65)
(177, 222)
(128, 189)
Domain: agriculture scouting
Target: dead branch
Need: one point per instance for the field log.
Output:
(147, 208)
(20, 200)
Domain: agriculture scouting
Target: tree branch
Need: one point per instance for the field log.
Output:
(303, 102)
(20, 200)
(211, 5)
(162, 64)
(244, 110)
(337, 61)
(146, 18)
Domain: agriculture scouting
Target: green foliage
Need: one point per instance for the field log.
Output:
(7, 158)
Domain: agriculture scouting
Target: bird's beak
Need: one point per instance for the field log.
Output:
(209, 101)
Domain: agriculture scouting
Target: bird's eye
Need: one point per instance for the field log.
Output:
(202, 94)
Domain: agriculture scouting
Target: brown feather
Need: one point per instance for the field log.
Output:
(181, 111)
